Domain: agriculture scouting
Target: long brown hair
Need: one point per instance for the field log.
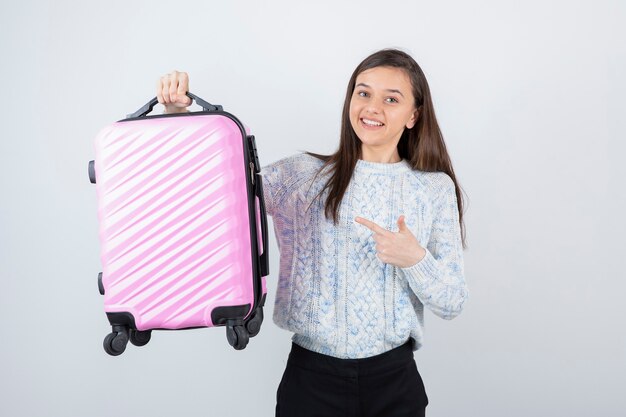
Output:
(422, 146)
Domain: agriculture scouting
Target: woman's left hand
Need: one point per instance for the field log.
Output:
(396, 248)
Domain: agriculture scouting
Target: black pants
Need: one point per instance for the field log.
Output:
(385, 385)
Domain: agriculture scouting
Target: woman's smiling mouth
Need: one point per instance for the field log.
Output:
(369, 123)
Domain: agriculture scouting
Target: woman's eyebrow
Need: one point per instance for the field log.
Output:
(391, 90)
(396, 91)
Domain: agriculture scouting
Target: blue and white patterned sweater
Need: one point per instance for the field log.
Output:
(333, 292)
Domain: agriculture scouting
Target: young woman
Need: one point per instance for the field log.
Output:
(368, 237)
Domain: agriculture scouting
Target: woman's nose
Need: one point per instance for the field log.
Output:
(373, 108)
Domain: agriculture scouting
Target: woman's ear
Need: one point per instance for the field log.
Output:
(413, 119)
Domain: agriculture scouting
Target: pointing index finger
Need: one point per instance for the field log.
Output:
(371, 225)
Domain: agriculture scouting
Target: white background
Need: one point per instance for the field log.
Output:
(530, 97)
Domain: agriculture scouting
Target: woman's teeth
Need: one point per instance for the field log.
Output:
(371, 122)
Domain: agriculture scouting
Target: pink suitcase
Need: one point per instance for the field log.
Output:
(182, 225)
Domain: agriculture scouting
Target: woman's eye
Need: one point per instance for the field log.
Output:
(392, 100)
(362, 94)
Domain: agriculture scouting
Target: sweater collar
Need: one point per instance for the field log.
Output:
(382, 167)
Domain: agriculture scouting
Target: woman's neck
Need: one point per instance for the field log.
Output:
(387, 156)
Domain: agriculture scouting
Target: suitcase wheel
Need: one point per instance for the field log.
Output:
(237, 337)
(253, 326)
(140, 338)
(115, 343)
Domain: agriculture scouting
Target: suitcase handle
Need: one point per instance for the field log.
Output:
(265, 269)
(147, 108)
(258, 192)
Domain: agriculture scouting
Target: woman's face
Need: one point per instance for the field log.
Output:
(382, 105)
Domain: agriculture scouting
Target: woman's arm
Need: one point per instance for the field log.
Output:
(438, 278)
(271, 177)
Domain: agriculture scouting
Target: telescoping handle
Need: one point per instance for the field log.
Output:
(265, 269)
(147, 108)
(258, 192)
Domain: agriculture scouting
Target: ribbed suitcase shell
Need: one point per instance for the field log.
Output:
(174, 222)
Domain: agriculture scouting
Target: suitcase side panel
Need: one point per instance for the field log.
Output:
(174, 223)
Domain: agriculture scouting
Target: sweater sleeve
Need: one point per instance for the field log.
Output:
(438, 278)
(279, 179)
(271, 176)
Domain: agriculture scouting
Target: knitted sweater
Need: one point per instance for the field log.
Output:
(333, 292)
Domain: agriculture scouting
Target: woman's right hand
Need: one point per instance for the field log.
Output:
(171, 92)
